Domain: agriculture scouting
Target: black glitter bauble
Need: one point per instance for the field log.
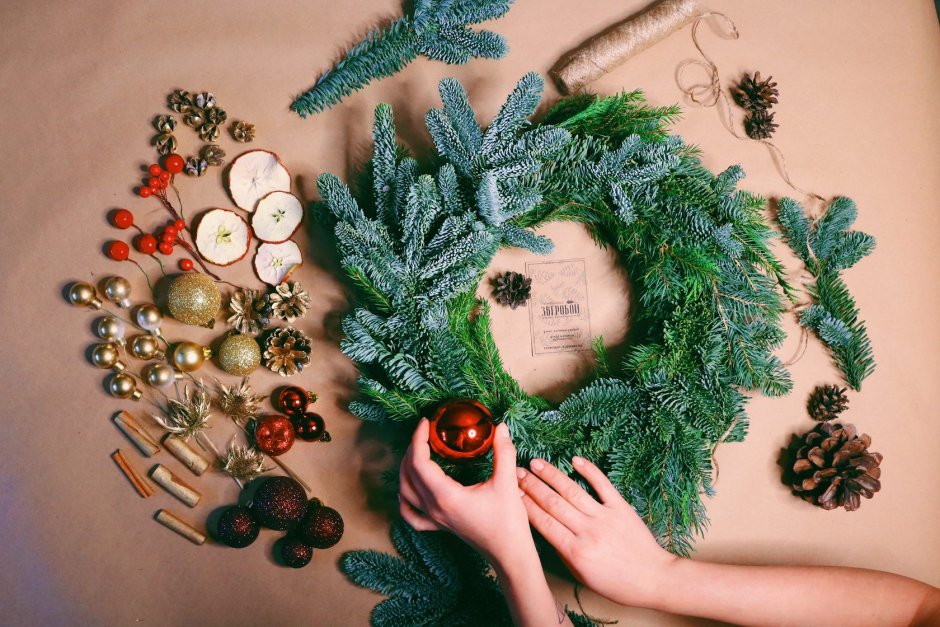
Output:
(279, 503)
(309, 426)
(295, 553)
(237, 527)
(321, 528)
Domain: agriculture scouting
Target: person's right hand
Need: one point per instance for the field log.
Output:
(604, 544)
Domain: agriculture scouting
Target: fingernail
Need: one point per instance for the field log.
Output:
(520, 472)
(521, 493)
(577, 461)
(502, 430)
(536, 464)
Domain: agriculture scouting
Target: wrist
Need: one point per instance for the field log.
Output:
(665, 580)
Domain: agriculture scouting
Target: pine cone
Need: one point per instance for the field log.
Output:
(180, 100)
(754, 94)
(208, 132)
(165, 143)
(289, 301)
(287, 351)
(512, 288)
(204, 100)
(243, 131)
(195, 167)
(827, 402)
(165, 123)
(760, 125)
(250, 312)
(834, 468)
(213, 154)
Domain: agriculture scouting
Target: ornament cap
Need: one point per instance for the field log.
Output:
(136, 395)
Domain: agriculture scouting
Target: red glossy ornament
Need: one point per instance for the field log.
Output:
(147, 244)
(174, 164)
(119, 251)
(293, 400)
(274, 435)
(122, 219)
(309, 427)
(186, 265)
(462, 429)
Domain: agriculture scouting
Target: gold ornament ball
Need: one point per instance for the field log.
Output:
(193, 298)
(148, 318)
(106, 356)
(239, 355)
(189, 356)
(83, 294)
(110, 328)
(122, 385)
(117, 289)
(160, 375)
(146, 347)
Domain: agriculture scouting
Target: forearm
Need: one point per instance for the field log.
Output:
(798, 595)
(530, 600)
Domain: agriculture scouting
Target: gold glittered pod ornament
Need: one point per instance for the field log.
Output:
(193, 298)
(83, 294)
(239, 355)
(122, 385)
(107, 355)
(160, 375)
(146, 347)
(117, 289)
(111, 329)
(148, 318)
(189, 356)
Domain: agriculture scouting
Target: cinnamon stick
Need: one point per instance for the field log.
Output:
(174, 485)
(177, 524)
(186, 454)
(137, 480)
(136, 434)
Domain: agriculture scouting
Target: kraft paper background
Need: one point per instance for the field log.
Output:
(81, 82)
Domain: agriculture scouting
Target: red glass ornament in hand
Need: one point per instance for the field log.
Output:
(274, 435)
(461, 429)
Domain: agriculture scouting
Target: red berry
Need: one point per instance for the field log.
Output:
(164, 184)
(119, 251)
(170, 229)
(155, 190)
(122, 219)
(144, 192)
(166, 248)
(164, 176)
(147, 244)
(173, 164)
(154, 182)
(186, 265)
(155, 170)
(180, 226)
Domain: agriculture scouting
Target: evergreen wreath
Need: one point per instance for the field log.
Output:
(416, 243)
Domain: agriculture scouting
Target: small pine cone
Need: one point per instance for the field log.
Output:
(827, 402)
(243, 131)
(250, 312)
(180, 100)
(287, 351)
(195, 167)
(760, 125)
(204, 100)
(216, 115)
(165, 143)
(512, 289)
(208, 132)
(754, 94)
(834, 468)
(289, 301)
(213, 154)
(165, 123)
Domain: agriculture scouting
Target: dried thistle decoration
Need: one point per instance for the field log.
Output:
(287, 351)
(213, 154)
(188, 417)
(196, 167)
(165, 143)
(243, 131)
(243, 463)
(289, 301)
(250, 311)
(165, 123)
(239, 402)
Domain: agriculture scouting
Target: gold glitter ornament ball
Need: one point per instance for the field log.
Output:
(239, 355)
(193, 298)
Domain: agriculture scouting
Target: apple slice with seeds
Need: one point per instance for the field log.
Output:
(275, 262)
(254, 175)
(222, 237)
(277, 217)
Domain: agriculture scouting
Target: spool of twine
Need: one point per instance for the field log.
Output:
(617, 44)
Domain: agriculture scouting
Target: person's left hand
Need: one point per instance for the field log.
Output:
(489, 516)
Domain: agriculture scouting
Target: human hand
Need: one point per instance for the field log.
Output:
(489, 516)
(605, 544)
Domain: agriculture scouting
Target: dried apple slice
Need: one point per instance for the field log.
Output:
(275, 262)
(254, 175)
(277, 217)
(222, 237)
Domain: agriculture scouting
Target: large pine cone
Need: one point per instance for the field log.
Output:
(512, 288)
(754, 94)
(834, 468)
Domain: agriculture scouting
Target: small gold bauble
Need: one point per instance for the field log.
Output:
(193, 298)
(122, 385)
(106, 356)
(160, 375)
(148, 318)
(110, 328)
(239, 355)
(117, 289)
(146, 347)
(83, 294)
(189, 356)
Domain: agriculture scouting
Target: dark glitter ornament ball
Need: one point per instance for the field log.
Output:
(293, 400)
(280, 503)
(322, 527)
(237, 527)
(295, 553)
(309, 426)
